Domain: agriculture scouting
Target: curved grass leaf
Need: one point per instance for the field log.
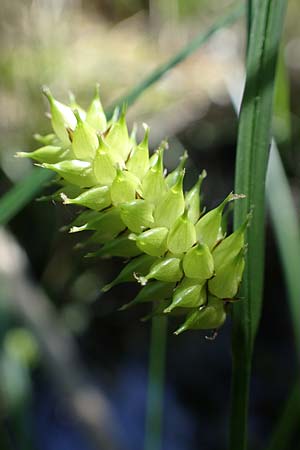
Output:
(251, 165)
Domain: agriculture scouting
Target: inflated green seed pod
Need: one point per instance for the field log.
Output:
(192, 199)
(74, 171)
(210, 316)
(96, 198)
(75, 106)
(118, 140)
(166, 269)
(124, 188)
(137, 215)
(47, 139)
(103, 165)
(62, 118)
(85, 140)
(182, 235)
(171, 206)
(198, 262)
(228, 277)
(95, 115)
(138, 163)
(188, 295)
(153, 183)
(153, 242)
(141, 264)
(48, 154)
(154, 291)
(207, 228)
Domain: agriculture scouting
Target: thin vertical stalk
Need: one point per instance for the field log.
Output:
(254, 136)
(155, 395)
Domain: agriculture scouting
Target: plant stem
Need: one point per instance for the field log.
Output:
(155, 395)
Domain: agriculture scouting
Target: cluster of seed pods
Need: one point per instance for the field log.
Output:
(184, 262)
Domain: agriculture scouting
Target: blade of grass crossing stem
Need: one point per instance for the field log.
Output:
(22, 193)
(251, 165)
(186, 51)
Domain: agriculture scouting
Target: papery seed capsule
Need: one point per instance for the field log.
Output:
(226, 282)
(70, 191)
(192, 199)
(124, 187)
(62, 117)
(49, 154)
(120, 246)
(208, 317)
(171, 205)
(172, 177)
(103, 164)
(153, 242)
(74, 171)
(207, 228)
(96, 198)
(188, 295)
(133, 135)
(85, 141)
(84, 217)
(182, 234)
(118, 140)
(152, 292)
(153, 183)
(137, 215)
(140, 264)
(166, 269)
(198, 262)
(138, 162)
(95, 114)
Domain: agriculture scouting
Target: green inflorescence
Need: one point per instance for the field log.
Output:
(179, 254)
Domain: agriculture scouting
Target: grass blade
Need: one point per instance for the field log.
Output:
(251, 166)
(22, 193)
(186, 51)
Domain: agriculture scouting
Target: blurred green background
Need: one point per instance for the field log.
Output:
(70, 45)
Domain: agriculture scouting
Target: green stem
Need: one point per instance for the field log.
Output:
(156, 376)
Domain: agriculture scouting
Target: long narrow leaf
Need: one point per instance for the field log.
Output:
(252, 157)
(22, 193)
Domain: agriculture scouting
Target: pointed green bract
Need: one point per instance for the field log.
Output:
(153, 242)
(182, 235)
(198, 262)
(138, 163)
(95, 114)
(121, 246)
(211, 316)
(167, 269)
(62, 118)
(154, 291)
(171, 206)
(192, 199)
(85, 141)
(192, 296)
(226, 282)
(103, 165)
(96, 198)
(118, 140)
(49, 154)
(74, 171)
(172, 177)
(124, 187)
(154, 184)
(137, 215)
(140, 264)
